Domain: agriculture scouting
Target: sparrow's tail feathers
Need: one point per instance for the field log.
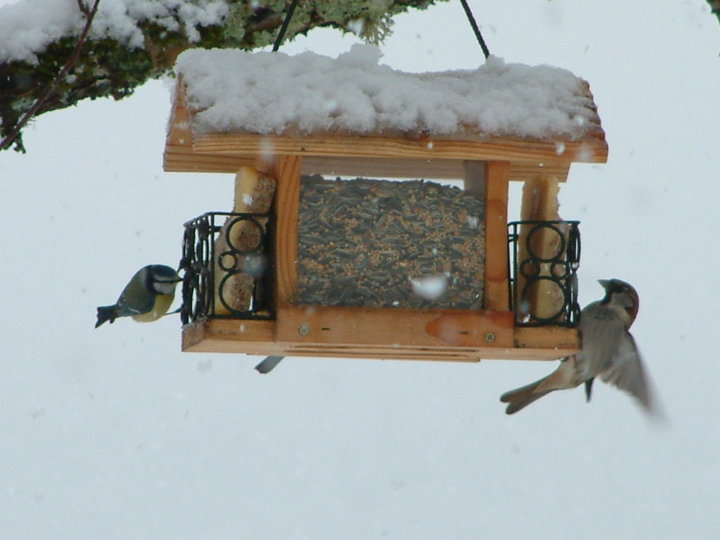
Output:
(565, 376)
(522, 397)
(106, 313)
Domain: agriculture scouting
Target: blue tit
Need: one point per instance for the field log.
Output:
(146, 298)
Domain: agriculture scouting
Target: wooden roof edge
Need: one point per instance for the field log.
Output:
(590, 150)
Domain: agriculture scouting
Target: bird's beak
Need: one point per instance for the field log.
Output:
(605, 283)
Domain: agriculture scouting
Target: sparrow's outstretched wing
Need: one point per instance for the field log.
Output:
(627, 373)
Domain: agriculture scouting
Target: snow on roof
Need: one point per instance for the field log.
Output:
(273, 93)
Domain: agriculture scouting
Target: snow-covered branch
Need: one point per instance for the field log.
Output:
(132, 41)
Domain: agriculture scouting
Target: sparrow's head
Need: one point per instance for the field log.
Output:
(622, 295)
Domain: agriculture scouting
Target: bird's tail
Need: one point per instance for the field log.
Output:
(522, 397)
(106, 313)
(565, 376)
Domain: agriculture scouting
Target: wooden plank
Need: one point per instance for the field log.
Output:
(183, 159)
(548, 337)
(230, 336)
(257, 337)
(384, 353)
(393, 327)
(533, 344)
(473, 328)
(418, 354)
(179, 135)
(593, 149)
(496, 249)
(180, 159)
(287, 208)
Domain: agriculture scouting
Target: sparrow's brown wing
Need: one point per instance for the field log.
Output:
(627, 373)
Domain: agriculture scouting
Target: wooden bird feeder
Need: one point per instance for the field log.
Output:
(255, 277)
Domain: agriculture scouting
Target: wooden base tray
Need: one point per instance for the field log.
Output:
(382, 333)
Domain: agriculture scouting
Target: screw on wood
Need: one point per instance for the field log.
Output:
(304, 330)
(490, 337)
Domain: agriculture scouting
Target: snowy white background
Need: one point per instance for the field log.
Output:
(113, 433)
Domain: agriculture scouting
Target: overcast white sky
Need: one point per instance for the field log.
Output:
(114, 433)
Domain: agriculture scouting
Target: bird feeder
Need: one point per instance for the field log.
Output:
(307, 264)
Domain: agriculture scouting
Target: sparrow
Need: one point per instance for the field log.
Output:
(607, 350)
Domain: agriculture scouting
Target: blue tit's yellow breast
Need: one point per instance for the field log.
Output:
(160, 307)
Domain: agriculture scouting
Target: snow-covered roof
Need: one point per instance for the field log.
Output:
(273, 93)
(355, 116)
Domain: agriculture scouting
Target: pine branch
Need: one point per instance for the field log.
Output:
(89, 16)
(75, 67)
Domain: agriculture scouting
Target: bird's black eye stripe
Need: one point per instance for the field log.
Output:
(149, 282)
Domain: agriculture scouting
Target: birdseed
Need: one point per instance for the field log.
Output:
(361, 242)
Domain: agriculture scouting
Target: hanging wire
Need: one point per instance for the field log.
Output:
(466, 7)
(285, 25)
(475, 28)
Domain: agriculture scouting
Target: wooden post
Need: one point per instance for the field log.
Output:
(287, 208)
(497, 178)
(474, 179)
